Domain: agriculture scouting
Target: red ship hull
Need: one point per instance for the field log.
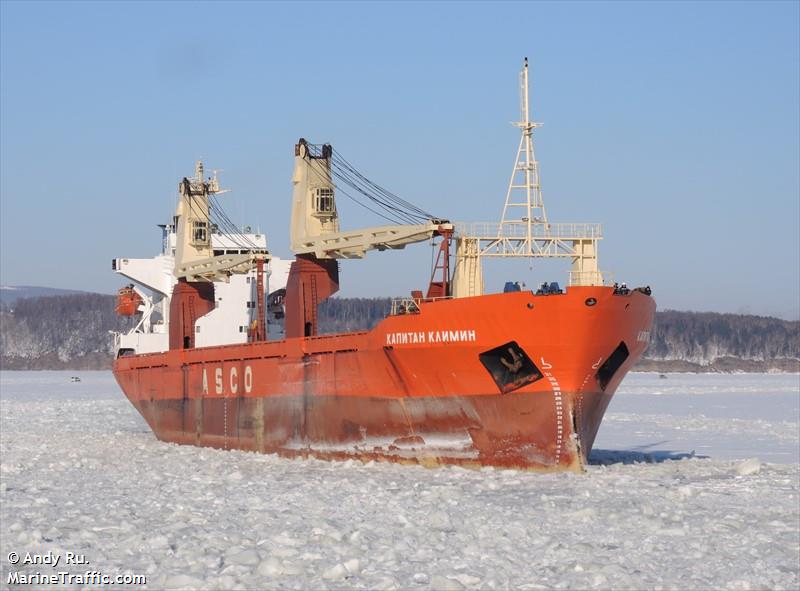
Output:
(511, 380)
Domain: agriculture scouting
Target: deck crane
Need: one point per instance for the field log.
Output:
(197, 265)
(318, 242)
(194, 256)
(524, 230)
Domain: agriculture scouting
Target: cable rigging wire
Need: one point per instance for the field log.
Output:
(395, 208)
(220, 219)
(340, 162)
(232, 230)
(388, 206)
(355, 200)
(390, 214)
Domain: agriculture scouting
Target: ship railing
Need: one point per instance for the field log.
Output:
(578, 278)
(411, 305)
(539, 230)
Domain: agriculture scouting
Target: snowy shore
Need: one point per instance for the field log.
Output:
(80, 472)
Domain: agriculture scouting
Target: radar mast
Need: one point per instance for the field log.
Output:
(524, 230)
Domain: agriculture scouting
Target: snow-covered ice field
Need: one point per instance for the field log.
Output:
(695, 484)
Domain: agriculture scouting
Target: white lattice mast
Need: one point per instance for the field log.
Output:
(524, 206)
(524, 230)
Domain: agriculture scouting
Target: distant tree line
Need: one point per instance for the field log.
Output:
(73, 331)
(701, 337)
(56, 331)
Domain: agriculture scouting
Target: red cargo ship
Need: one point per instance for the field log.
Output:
(514, 379)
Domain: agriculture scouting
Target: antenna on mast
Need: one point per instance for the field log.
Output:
(524, 206)
(213, 183)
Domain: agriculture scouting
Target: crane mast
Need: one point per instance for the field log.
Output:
(194, 258)
(315, 218)
(318, 242)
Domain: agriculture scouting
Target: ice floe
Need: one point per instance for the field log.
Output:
(80, 472)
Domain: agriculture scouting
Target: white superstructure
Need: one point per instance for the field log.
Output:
(235, 293)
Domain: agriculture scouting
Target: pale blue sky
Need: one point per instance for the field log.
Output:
(675, 125)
